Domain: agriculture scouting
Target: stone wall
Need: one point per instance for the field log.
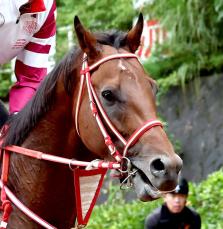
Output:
(196, 120)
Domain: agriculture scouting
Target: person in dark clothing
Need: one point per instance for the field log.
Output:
(174, 214)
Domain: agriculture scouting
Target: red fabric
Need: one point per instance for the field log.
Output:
(37, 6)
(33, 75)
(49, 27)
(29, 77)
(83, 173)
(25, 87)
(38, 48)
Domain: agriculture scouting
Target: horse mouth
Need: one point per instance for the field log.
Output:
(145, 190)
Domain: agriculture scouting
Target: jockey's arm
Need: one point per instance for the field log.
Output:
(32, 62)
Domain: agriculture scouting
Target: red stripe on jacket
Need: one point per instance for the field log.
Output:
(38, 48)
(49, 27)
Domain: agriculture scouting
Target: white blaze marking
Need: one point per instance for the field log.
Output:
(121, 65)
(124, 68)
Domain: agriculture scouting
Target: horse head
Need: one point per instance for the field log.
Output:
(127, 95)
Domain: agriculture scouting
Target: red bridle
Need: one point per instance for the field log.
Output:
(99, 112)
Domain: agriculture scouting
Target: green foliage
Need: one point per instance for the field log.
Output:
(4, 86)
(206, 197)
(5, 82)
(100, 15)
(97, 14)
(117, 214)
(194, 46)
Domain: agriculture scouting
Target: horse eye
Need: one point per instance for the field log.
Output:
(108, 95)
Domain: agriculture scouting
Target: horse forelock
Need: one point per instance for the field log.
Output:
(22, 123)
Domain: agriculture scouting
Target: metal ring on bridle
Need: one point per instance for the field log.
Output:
(123, 186)
(128, 167)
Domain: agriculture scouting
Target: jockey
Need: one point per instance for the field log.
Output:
(27, 30)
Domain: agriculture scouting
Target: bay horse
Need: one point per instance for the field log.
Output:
(47, 124)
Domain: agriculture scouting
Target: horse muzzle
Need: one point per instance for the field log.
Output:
(156, 176)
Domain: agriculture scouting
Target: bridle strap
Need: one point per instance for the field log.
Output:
(106, 118)
(139, 132)
(85, 70)
(5, 191)
(24, 209)
(66, 161)
(107, 58)
(96, 107)
(95, 113)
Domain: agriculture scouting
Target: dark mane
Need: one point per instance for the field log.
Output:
(3, 114)
(22, 123)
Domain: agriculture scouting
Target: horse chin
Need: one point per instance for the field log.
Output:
(145, 191)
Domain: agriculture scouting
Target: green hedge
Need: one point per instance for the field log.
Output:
(206, 198)
(5, 81)
(194, 46)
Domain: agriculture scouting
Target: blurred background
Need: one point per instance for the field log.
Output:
(182, 49)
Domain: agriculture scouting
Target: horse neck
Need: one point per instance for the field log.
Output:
(54, 132)
(47, 187)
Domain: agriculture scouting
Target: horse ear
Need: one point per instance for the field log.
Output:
(134, 35)
(87, 40)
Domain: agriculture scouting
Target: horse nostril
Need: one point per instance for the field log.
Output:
(157, 167)
(161, 167)
(158, 164)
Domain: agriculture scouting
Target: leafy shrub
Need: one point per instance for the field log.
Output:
(206, 197)
(5, 83)
(194, 46)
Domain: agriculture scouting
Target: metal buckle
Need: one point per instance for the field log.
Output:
(128, 165)
(127, 182)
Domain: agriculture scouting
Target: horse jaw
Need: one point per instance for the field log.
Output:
(145, 191)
